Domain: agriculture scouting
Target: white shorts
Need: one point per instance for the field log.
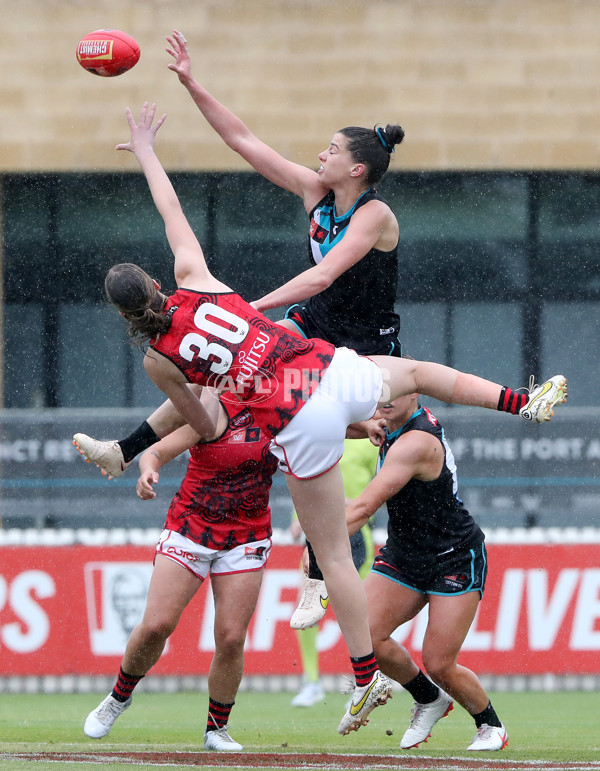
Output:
(313, 440)
(202, 561)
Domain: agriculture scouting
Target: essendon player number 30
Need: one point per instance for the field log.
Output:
(194, 344)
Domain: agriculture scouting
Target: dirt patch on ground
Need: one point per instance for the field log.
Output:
(296, 760)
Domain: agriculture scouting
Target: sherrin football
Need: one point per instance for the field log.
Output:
(107, 52)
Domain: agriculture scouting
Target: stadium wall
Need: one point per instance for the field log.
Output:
(69, 599)
(477, 84)
(511, 473)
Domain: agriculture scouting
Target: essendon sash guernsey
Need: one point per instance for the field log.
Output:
(218, 339)
(223, 500)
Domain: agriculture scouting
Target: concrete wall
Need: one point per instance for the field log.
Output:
(475, 83)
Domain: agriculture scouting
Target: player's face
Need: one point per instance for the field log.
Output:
(336, 161)
(400, 410)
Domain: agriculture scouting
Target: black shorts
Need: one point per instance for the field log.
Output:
(361, 552)
(384, 345)
(450, 574)
(359, 549)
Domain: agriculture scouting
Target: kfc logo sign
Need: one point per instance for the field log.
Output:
(116, 598)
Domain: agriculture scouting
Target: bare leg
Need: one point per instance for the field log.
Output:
(450, 619)
(406, 376)
(319, 503)
(235, 597)
(171, 589)
(390, 606)
(289, 325)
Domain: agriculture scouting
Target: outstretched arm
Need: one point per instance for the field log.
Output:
(297, 179)
(415, 454)
(203, 415)
(159, 455)
(189, 258)
(365, 231)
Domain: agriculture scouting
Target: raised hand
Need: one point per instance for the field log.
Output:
(144, 131)
(145, 485)
(178, 50)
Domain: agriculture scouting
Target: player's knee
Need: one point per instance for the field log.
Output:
(439, 668)
(157, 629)
(386, 649)
(230, 642)
(379, 646)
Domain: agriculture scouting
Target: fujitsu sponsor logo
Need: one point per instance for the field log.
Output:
(250, 360)
(249, 383)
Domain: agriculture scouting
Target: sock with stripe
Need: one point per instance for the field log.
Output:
(364, 668)
(511, 401)
(124, 686)
(218, 714)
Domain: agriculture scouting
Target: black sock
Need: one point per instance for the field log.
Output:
(142, 438)
(511, 401)
(313, 569)
(488, 716)
(422, 689)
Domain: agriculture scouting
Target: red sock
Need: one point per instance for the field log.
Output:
(218, 714)
(511, 401)
(364, 668)
(124, 686)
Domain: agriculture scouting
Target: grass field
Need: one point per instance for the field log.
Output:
(556, 728)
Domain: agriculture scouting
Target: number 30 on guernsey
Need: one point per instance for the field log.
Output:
(233, 330)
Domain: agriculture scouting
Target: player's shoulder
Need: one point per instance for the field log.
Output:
(415, 443)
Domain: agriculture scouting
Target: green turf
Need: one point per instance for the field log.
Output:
(558, 727)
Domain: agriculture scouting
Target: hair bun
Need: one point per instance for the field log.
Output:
(394, 134)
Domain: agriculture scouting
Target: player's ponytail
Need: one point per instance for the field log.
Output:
(134, 294)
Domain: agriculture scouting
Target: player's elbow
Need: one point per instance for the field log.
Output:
(322, 280)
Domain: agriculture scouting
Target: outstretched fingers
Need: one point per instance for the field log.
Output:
(159, 122)
(179, 37)
(131, 121)
(178, 50)
(147, 124)
(147, 115)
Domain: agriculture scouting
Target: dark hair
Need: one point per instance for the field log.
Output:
(373, 148)
(131, 290)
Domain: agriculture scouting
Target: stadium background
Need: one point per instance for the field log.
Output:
(496, 190)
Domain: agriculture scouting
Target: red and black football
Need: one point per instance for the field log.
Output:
(108, 52)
